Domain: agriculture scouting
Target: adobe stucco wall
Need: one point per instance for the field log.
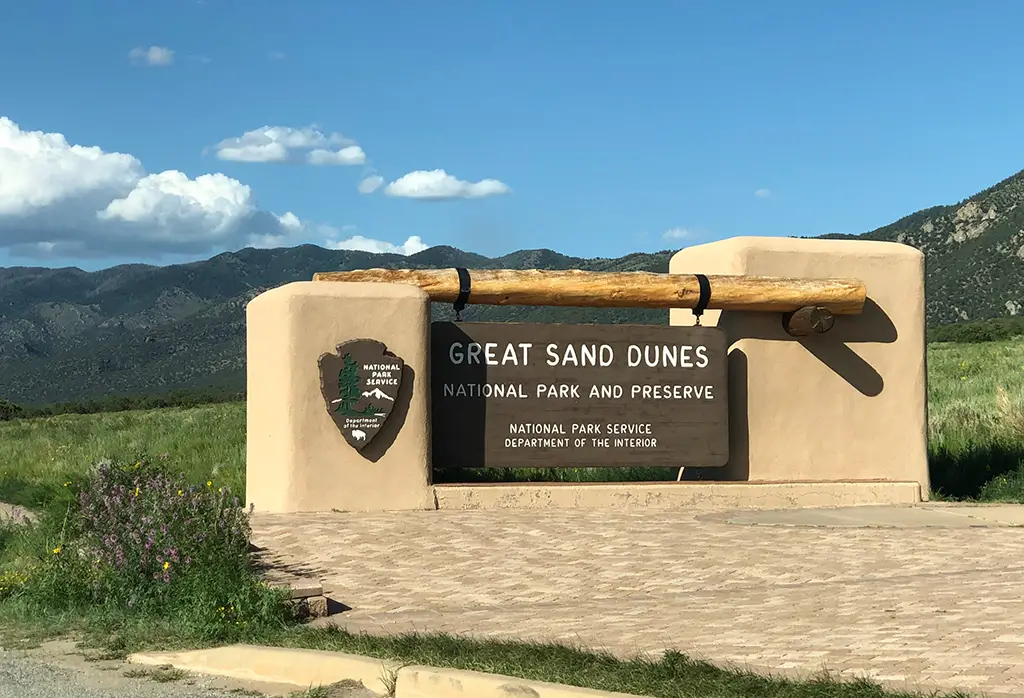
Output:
(847, 405)
(296, 457)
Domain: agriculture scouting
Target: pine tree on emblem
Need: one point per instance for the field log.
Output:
(348, 386)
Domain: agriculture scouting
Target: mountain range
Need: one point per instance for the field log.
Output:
(68, 334)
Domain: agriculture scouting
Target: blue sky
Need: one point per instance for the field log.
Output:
(592, 128)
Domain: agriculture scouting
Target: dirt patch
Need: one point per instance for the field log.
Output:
(14, 513)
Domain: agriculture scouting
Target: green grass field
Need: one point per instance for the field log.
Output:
(976, 425)
(976, 420)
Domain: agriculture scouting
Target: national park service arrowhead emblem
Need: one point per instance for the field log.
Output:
(360, 383)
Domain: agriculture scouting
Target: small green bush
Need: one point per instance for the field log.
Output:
(1007, 487)
(11, 583)
(136, 539)
(991, 330)
(9, 411)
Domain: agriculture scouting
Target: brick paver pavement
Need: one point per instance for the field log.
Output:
(924, 607)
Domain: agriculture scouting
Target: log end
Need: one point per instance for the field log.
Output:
(856, 298)
(812, 319)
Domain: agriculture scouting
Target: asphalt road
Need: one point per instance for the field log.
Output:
(30, 677)
(61, 670)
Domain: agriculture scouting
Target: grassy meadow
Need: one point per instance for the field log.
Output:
(976, 434)
(976, 420)
(37, 456)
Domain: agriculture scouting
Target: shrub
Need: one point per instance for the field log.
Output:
(11, 583)
(991, 330)
(1007, 487)
(9, 411)
(135, 538)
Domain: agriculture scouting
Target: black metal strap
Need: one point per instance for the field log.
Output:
(704, 298)
(465, 285)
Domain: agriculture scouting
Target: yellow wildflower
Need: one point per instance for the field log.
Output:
(167, 565)
(209, 483)
(56, 551)
(180, 493)
(136, 491)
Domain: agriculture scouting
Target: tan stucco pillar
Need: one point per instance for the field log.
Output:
(296, 458)
(846, 405)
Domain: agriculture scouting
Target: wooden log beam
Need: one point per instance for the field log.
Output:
(637, 289)
(808, 320)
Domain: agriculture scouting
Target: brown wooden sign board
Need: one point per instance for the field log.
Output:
(553, 396)
(359, 383)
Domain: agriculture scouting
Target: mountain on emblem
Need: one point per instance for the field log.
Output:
(377, 394)
(359, 383)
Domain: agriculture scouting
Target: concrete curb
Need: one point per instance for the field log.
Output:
(429, 682)
(305, 668)
(675, 495)
(294, 667)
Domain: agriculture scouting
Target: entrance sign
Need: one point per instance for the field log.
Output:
(359, 383)
(549, 396)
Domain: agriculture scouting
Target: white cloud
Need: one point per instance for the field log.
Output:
(677, 234)
(278, 143)
(357, 242)
(171, 202)
(263, 152)
(371, 184)
(153, 55)
(350, 155)
(290, 221)
(75, 200)
(763, 193)
(438, 185)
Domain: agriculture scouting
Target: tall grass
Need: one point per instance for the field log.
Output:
(976, 419)
(38, 455)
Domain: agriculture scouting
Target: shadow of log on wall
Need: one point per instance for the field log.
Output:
(871, 326)
(832, 349)
(874, 326)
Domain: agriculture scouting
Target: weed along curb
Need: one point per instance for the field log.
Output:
(310, 668)
(428, 682)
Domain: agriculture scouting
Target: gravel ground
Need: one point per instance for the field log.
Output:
(22, 677)
(12, 512)
(59, 670)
